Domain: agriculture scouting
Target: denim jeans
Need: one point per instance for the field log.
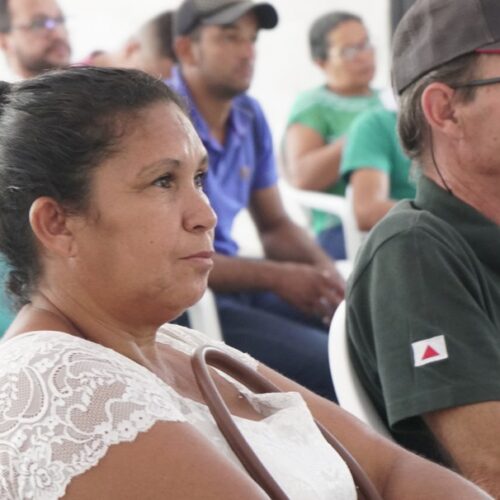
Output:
(278, 335)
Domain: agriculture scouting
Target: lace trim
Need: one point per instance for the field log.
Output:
(63, 402)
(187, 340)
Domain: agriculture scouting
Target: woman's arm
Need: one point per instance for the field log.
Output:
(371, 196)
(171, 460)
(310, 163)
(395, 472)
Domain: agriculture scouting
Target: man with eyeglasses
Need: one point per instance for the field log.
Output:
(34, 39)
(33, 36)
(320, 118)
(423, 311)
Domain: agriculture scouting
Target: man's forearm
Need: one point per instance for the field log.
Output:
(469, 434)
(289, 242)
(434, 482)
(235, 274)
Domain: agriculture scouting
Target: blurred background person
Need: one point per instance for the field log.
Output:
(277, 308)
(314, 139)
(376, 167)
(149, 49)
(33, 37)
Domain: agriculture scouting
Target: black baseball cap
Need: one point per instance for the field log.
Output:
(193, 13)
(434, 32)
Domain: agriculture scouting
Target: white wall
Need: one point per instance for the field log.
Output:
(283, 68)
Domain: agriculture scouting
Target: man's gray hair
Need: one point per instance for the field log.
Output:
(412, 125)
(4, 16)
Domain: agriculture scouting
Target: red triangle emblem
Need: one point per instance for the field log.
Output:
(430, 352)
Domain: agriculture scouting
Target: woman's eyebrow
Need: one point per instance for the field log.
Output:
(204, 161)
(159, 166)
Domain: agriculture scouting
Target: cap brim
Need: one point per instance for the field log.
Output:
(267, 16)
(491, 48)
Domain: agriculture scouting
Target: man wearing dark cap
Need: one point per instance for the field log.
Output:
(424, 299)
(274, 308)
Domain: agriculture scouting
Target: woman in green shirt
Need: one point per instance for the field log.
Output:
(320, 117)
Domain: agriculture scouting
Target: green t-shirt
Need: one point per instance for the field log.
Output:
(330, 115)
(423, 312)
(373, 142)
(6, 314)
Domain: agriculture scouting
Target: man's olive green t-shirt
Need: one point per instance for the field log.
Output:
(423, 312)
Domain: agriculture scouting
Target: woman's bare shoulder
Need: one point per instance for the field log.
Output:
(171, 460)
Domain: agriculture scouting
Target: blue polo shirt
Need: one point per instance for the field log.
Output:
(243, 164)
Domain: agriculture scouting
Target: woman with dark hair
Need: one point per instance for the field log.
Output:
(320, 117)
(108, 235)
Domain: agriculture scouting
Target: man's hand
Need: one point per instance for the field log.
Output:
(312, 289)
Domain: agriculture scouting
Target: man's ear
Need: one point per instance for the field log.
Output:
(49, 222)
(132, 46)
(439, 105)
(184, 50)
(4, 43)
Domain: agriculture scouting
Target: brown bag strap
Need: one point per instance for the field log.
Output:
(207, 355)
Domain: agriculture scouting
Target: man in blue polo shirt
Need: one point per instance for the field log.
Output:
(274, 308)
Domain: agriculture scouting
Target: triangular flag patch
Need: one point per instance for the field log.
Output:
(429, 350)
(430, 353)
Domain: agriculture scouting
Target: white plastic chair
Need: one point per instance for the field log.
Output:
(329, 203)
(350, 393)
(203, 316)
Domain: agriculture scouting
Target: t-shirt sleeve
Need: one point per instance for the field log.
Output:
(311, 115)
(417, 321)
(68, 401)
(265, 171)
(368, 146)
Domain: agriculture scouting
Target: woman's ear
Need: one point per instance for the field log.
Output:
(439, 105)
(49, 222)
(320, 63)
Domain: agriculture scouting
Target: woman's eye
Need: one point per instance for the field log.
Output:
(199, 179)
(164, 181)
(231, 37)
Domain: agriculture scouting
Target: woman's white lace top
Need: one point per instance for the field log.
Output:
(64, 401)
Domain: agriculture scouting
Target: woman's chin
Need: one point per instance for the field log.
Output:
(192, 298)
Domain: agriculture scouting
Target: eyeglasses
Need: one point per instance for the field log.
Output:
(350, 52)
(476, 83)
(42, 24)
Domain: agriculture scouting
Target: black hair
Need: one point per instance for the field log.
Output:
(4, 16)
(162, 26)
(56, 129)
(320, 29)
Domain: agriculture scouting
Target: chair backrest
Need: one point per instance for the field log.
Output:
(203, 316)
(352, 235)
(350, 393)
(329, 203)
(246, 235)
